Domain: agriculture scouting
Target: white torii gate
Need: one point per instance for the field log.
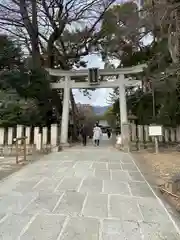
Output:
(68, 83)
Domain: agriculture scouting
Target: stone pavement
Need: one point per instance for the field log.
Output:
(82, 194)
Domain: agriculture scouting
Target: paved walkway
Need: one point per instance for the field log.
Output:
(82, 194)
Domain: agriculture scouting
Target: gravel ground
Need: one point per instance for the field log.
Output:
(8, 165)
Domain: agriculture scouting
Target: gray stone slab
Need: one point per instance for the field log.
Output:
(85, 158)
(81, 173)
(140, 189)
(26, 186)
(129, 166)
(49, 184)
(132, 230)
(100, 165)
(112, 157)
(91, 185)
(115, 187)
(12, 226)
(117, 230)
(103, 159)
(47, 173)
(152, 211)
(70, 204)
(61, 172)
(6, 189)
(46, 227)
(68, 164)
(102, 174)
(125, 158)
(114, 162)
(81, 229)
(114, 166)
(82, 165)
(69, 172)
(155, 231)
(44, 203)
(69, 184)
(96, 206)
(124, 208)
(16, 203)
(136, 176)
(118, 175)
(10, 194)
(113, 230)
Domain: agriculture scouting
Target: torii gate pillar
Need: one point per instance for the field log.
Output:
(123, 113)
(65, 113)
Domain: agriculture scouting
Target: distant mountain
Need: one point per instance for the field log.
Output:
(100, 110)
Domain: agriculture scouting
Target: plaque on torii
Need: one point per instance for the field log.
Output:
(93, 76)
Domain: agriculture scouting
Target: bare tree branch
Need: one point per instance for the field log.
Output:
(55, 18)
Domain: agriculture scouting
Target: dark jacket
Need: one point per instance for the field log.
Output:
(83, 131)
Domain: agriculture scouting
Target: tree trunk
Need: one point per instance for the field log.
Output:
(31, 26)
(36, 57)
(177, 17)
(174, 36)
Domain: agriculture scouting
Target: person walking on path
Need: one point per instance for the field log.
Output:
(97, 133)
(84, 135)
(108, 133)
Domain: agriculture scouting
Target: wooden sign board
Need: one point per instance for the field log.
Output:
(155, 131)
